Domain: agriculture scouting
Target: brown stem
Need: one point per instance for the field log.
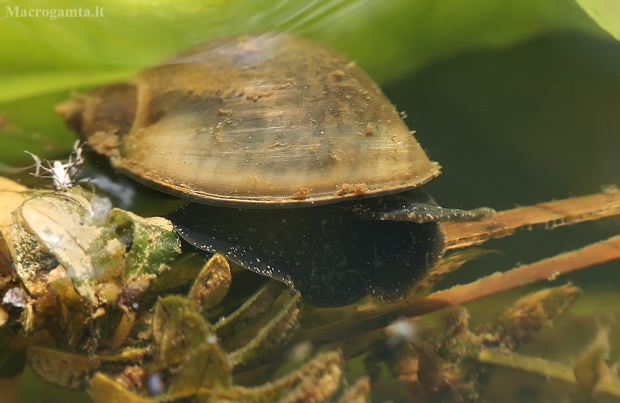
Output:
(553, 214)
(550, 268)
(545, 368)
(9, 387)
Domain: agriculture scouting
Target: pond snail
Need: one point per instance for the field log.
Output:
(304, 170)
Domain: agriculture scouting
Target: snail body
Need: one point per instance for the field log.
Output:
(277, 122)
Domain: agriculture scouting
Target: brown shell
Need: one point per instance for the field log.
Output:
(259, 121)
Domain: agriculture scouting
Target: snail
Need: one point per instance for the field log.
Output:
(303, 170)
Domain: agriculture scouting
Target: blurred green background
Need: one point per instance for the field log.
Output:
(518, 101)
(391, 40)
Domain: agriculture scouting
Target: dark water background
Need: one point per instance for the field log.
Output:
(534, 123)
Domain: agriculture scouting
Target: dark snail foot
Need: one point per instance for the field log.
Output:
(327, 253)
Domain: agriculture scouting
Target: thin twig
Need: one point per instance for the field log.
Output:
(552, 214)
(550, 268)
(545, 368)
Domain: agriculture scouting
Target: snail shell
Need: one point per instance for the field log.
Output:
(256, 121)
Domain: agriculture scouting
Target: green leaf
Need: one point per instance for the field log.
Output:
(43, 53)
(606, 13)
(44, 58)
(154, 243)
(17, 85)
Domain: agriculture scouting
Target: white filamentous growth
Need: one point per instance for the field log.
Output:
(62, 174)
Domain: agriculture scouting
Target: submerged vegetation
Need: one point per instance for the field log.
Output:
(96, 298)
(84, 296)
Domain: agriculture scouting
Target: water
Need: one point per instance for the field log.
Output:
(529, 124)
(525, 125)
(519, 126)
